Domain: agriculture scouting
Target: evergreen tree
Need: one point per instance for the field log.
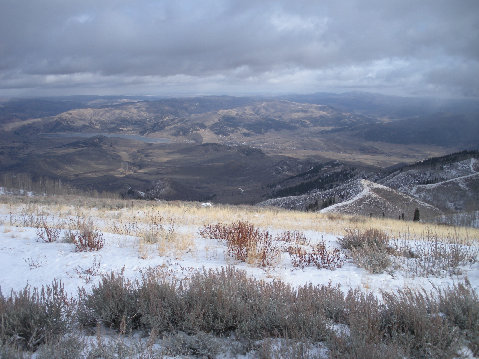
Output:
(416, 215)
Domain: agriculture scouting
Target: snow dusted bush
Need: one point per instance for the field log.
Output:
(460, 305)
(227, 301)
(113, 303)
(68, 347)
(372, 258)
(369, 249)
(33, 317)
(159, 304)
(219, 302)
(413, 320)
(196, 316)
(294, 237)
(287, 348)
(408, 324)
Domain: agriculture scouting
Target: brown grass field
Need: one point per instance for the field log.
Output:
(115, 215)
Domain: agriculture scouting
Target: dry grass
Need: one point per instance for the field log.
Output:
(133, 217)
(168, 243)
(176, 244)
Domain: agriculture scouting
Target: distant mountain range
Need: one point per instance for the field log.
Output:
(300, 151)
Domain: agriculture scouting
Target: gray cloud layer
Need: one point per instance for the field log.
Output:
(410, 47)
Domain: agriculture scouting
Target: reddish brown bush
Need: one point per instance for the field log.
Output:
(244, 241)
(47, 233)
(89, 241)
(319, 257)
(87, 238)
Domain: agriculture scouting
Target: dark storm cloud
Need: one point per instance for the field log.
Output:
(150, 46)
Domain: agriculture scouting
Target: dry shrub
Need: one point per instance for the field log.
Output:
(87, 273)
(413, 320)
(158, 229)
(374, 259)
(434, 257)
(175, 244)
(406, 324)
(239, 237)
(159, 303)
(200, 345)
(11, 351)
(227, 303)
(263, 253)
(130, 228)
(113, 302)
(369, 249)
(164, 235)
(295, 237)
(45, 232)
(149, 237)
(244, 242)
(220, 302)
(120, 347)
(33, 317)
(318, 256)
(86, 237)
(356, 238)
(287, 349)
(143, 249)
(214, 231)
(212, 305)
(460, 304)
(158, 234)
(68, 347)
(342, 347)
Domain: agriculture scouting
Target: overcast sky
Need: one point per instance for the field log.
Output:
(141, 47)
